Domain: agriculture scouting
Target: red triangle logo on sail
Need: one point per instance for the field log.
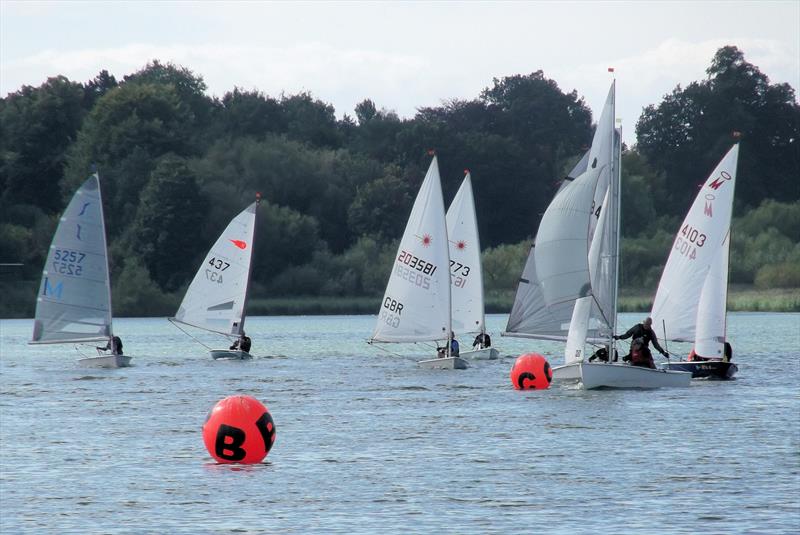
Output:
(240, 244)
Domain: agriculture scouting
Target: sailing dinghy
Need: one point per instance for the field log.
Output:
(690, 302)
(417, 303)
(216, 300)
(466, 271)
(74, 301)
(568, 288)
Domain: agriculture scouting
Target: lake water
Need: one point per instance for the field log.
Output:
(369, 443)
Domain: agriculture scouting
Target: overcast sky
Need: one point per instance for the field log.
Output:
(402, 55)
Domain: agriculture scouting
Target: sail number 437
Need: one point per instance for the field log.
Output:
(217, 264)
(688, 241)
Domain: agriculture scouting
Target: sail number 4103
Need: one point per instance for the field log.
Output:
(688, 240)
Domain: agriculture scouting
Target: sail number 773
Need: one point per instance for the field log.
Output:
(687, 242)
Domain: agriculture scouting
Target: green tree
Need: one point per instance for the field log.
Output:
(37, 125)
(164, 231)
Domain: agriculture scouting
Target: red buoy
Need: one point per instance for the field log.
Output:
(531, 371)
(239, 429)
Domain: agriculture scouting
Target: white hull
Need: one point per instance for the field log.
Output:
(106, 361)
(613, 375)
(229, 354)
(445, 363)
(488, 353)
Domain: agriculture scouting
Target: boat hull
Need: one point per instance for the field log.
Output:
(445, 363)
(106, 361)
(488, 353)
(613, 375)
(700, 369)
(229, 354)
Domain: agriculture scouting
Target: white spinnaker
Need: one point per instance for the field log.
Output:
(465, 259)
(416, 305)
(697, 243)
(710, 335)
(217, 296)
(74, 300)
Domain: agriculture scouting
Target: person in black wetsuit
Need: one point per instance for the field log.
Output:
(642, 334)
(242, 343)
(482, 341)
(114, 345)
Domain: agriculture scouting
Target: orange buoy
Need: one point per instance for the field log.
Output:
(239, 429)
(531, 371)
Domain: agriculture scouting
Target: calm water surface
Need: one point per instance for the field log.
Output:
(368, 443)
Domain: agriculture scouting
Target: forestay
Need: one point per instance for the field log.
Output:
(74, 301)
(217, 297)
(465, 261)
(698, 243)
(416, 305)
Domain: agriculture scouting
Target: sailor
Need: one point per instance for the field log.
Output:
(482, 341)
(114, 345)
(453, 345)
(243, 343)
(644, 333)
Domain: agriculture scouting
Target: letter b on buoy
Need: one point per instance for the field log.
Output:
(239, 429)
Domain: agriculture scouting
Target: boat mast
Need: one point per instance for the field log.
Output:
(616, 183)
(249, 266)
(105, 264)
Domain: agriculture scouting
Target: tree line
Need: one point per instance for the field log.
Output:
(176, 165)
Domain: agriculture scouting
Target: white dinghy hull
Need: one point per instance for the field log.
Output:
(445, 363)
(229, 354)
(106, 361)
(611, 375)
(488, 353)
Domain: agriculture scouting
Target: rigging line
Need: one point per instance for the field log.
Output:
(386, 350)
(189, 335)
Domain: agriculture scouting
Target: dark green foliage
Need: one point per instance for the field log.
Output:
(164, 232)
(37, 126)
(176, 165)
(688, 133)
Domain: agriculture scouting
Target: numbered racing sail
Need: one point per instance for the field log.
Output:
(696, 254)
(416, 305)
(217, 297)
(465, 261)
(74, 301)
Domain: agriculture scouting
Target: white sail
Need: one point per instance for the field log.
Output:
(217, 297)
(710, 335)
(697, 244)
(465, 261)
(416, 305)
(74, 301)
(557, 272)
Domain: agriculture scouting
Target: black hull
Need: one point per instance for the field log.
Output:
(712, 369)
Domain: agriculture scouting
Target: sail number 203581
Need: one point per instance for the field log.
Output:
(688, 241)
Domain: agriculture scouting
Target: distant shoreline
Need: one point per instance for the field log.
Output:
(740, 299)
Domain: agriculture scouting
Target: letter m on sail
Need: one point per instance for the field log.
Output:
(717, 183)
(707, 209)
(49, 290)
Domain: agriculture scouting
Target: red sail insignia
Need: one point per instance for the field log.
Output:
(240, 244)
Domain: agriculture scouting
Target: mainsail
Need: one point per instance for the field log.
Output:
(698, 248)
(416, 305)
(74, 301)
(217, 297)
(557, 273)
(709, 340)
(465, 261)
